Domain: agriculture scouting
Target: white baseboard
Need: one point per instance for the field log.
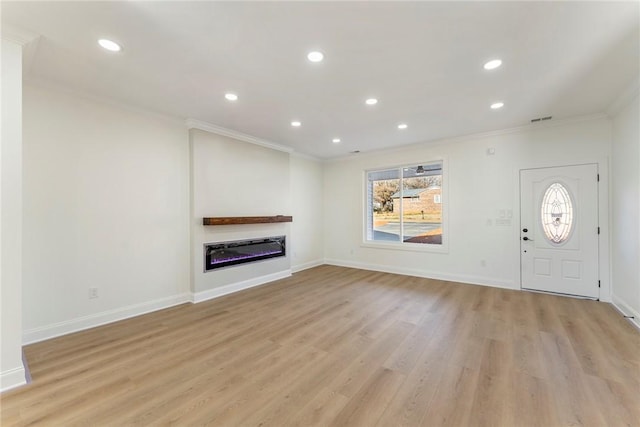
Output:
(605, 298)
(12, 378)
(236, 287)
(460, 278)
(31, 336)
(91, 321)
(306, 265)
(626, 310)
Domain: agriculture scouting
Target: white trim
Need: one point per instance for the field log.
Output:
(12, 378)
(474, 136)
(626, 310)
(306, 265)
(18, 35)
(197, 297)
(91, 321)
(403, 246)
(219, 130)
(624, 98)
(43, 84)
(306, 157)
(458, 278)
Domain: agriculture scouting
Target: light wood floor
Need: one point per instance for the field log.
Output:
(344, 347)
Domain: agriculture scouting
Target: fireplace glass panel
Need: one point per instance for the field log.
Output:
(224, 254)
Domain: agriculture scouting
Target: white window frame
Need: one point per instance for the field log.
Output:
(400, 245)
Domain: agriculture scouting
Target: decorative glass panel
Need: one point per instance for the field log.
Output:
(557, 213)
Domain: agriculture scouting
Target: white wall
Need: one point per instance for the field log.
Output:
(12, 372)
(307, 199)
(625, 198)
(230, 177)
(477, 187)
(106, 205)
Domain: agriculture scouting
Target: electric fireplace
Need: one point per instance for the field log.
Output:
(225, 254)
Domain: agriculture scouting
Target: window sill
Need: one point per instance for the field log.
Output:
(410, 247)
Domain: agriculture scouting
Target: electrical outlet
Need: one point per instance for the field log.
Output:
(93, 293)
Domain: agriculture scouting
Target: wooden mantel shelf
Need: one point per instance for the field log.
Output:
(230, 220)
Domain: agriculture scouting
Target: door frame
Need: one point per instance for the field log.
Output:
(604, 254)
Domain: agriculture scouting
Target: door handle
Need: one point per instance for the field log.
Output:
(526, 238)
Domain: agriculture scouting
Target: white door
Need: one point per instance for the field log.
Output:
(559, 229)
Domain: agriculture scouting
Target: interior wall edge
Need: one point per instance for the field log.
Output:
(428, 274)
(626, 310)
(625, 98)
(230, 133)
(78, 324)
(456, 139)
(197, 297)
(14, 378)
(48, 85)
(307, 265)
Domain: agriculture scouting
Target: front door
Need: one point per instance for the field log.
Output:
(559, 229)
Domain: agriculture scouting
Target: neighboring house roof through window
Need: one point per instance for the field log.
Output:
(414, 192)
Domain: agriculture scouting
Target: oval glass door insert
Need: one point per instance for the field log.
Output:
(556, 213)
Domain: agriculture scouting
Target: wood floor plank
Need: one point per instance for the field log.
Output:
(371, 400)
(535, 406)
(574, 404)
(320, 410)
(453, 398)
(334, 346)
(410, 403)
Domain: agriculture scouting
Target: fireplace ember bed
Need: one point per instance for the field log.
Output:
(226, 254)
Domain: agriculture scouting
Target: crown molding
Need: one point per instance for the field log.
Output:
(479, 135)
(625, 97)
(306, 156)
(219, 130)
(18, 35)
(48, 85)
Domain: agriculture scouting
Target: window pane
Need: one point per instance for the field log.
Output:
(421, 204)
(404, 205)
(383, 221)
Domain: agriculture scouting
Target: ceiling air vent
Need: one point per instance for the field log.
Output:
(540, 119)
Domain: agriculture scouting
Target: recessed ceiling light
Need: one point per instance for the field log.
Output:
(335, 140)
(402, 126)
(296, 124)
(231, 96)
(109, 45)
(315, 56)
(493, 64)
(497, 105)
(371, 101)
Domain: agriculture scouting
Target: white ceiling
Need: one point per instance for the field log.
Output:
(422, 60)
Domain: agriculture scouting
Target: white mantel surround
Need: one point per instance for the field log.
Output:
(230, 177)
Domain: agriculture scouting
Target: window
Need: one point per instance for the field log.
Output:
(556, 213)
(404, 205)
